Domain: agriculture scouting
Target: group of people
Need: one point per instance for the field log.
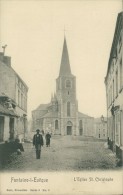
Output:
(38, 142)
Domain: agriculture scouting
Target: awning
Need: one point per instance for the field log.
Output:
(5, 111)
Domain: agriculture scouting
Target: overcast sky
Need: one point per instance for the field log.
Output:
(34, 33)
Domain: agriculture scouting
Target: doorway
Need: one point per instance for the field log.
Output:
(1, 128)
(69, 130)
(80, 131)
(11, 128)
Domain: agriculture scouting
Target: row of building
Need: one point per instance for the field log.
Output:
(60, 116)
(13, 102)
(114, 90)
(88, 126)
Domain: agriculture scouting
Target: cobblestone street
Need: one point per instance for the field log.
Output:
(65, 154)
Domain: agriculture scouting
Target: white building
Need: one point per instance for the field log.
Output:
(13, 99)
(114, 90)
(100, 127)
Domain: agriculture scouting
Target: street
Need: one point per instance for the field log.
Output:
(66, 153)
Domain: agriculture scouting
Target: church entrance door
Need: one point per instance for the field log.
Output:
(80, 131)
(69, 130)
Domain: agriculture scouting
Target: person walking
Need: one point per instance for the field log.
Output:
(48, 136)
(38, 142)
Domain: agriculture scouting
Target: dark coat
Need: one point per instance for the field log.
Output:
(48, 136)
(38, 140)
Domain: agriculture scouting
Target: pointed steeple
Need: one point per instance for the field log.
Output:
(65, 64)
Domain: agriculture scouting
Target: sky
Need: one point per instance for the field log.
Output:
(34, 34)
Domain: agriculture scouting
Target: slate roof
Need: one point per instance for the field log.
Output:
(43, 107)
(50, 115)
(83, 115)
(98, 120)
(118, 28)
(65, 64)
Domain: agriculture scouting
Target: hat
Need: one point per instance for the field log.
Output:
(37, 130)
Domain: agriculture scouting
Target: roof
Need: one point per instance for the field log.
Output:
(15, 73)
(98, 120)
(118, 27)
(43, 107)
(51, 115)
(83, 115)
(6, 111)
(65, 64)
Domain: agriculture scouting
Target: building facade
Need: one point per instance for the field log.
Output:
(86, 124)
(61, 115)
(100, 127)
(8, 118)
(13, 98)
(114, 90)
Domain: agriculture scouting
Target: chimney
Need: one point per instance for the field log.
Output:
(1, 56)
(7, 60)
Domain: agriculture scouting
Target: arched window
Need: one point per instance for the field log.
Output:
(68, 108)
(56, 124)
(68, 84)
(80, 124)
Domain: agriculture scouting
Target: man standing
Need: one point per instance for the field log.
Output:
(38, 142)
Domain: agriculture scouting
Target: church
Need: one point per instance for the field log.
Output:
(61, 115)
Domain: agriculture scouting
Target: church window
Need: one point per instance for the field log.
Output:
(68, 108)
(80, 124)
(68, 84)
(56, 124)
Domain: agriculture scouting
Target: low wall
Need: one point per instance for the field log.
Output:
(7, 148)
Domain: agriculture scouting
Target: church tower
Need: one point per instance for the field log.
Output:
(66, 96)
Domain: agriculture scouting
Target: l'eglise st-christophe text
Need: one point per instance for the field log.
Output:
(91, 179)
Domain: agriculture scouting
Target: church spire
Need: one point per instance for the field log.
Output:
(65, 64)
